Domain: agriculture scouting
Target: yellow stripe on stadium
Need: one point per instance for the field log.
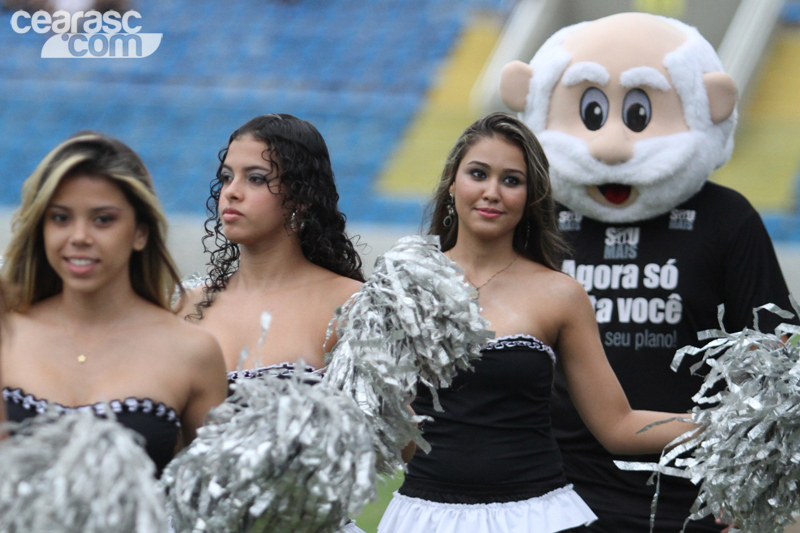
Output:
(764, 166)
(417, 162)
(667, 8)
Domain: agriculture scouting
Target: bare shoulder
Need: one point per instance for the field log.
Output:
(558, 292)
(200, 344)
(545, 280)
(12, 325)
(40, 315)
(15, 319)
(190, 343)
(346, 287)
(336, 288)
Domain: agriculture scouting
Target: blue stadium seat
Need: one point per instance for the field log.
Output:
(357, 70)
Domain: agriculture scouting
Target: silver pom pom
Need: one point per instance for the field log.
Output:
(282, 455)
(414, 321)
(745, 455)
(77, 473)
(188, 284)
(193, 281)
(279, 455)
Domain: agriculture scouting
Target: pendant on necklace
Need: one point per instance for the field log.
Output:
(81, 358)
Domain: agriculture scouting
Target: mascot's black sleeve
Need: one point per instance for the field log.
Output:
(753, 276)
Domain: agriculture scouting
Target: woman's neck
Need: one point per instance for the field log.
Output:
(268, 267)
(110, 305)
(478, 254)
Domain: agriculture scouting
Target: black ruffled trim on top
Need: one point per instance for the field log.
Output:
(516, 341)
(282, 370)
(129, 405)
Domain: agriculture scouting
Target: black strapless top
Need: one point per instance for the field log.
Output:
(280, 370)
(157, 423)
(493, 442)
(308, 374)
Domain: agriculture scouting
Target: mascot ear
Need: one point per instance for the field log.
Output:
(515, 79)
(722, 93)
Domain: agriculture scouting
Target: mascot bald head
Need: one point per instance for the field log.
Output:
(633, 110)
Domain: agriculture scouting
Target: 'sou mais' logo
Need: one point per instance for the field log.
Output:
(621, 243)
(89, 35)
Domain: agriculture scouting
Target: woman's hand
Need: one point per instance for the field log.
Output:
(407, 453)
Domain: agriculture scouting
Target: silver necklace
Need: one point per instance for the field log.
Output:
(482, 285)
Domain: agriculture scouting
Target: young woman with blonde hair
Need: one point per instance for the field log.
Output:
(90, 282)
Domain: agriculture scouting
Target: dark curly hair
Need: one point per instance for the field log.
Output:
(308, 192)
(536, 236)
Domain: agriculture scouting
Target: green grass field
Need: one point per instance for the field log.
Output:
(372, 513)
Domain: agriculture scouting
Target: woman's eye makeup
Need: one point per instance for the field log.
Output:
(59, 218)
(256, 178)
(478, 173)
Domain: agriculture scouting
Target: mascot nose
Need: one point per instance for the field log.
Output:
(612, 147)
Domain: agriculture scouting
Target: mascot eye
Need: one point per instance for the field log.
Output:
(636, 110)
(594, 108)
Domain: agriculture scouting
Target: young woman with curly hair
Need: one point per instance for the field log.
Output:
(279, 245)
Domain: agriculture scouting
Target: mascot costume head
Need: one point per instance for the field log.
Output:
(633, 110)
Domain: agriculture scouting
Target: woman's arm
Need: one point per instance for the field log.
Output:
(341, 290)
(594, 388)
(209, 384)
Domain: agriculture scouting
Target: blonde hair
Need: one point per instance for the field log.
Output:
(30, 277)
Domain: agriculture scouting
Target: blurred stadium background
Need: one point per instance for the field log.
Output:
(389, 83)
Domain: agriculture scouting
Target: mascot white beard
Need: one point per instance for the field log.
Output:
(666, 171)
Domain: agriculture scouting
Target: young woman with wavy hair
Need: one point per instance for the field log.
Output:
(494, 464)
(90, 321)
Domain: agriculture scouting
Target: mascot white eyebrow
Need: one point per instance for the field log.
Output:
(634, 112)
(591, 107)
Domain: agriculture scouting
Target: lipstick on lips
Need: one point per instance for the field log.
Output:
(488, 212)
(80, 266)
(230, 214)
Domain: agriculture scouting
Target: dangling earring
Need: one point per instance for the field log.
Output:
(293, 221)
(527, 232)
(451, 213)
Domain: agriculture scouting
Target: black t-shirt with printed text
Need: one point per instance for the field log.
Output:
(655, 284)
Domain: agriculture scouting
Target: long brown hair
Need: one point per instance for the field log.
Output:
(536, 235)
(31, 279)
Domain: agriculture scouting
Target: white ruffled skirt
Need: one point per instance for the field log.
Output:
(555, 511)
